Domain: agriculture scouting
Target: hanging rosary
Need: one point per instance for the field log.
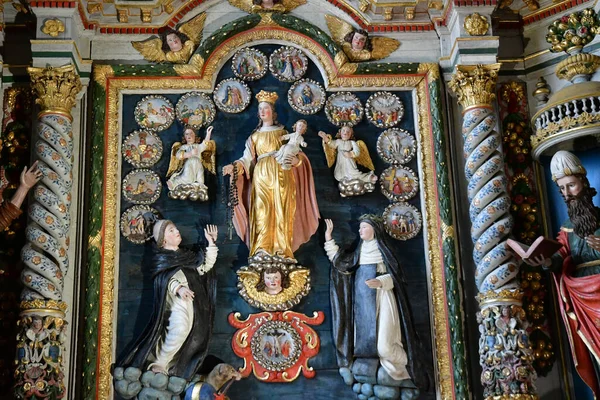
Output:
(230, 200)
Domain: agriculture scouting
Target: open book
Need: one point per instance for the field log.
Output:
(541, 247)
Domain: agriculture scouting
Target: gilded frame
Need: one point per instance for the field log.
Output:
(110, 82)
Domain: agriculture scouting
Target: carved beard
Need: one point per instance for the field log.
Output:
(583, 213)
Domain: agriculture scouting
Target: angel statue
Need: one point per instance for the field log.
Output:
(357, 44)
(349, 152)
(173, 46)
(186, 168)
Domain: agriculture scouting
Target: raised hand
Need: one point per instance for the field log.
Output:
(328, 230)
(208, 132)
(31, 176)
(210, 233)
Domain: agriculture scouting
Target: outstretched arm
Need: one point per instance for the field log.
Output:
(210, 233)
(331, 248)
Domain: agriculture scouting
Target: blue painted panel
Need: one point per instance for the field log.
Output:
(230, 134)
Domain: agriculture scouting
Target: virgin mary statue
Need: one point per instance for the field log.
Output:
(277, 209)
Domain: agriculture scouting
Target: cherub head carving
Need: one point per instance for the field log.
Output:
(173, 40)
(272, 281)
(359, 40)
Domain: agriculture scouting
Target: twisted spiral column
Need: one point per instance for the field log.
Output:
(505, 354)
(41, 337)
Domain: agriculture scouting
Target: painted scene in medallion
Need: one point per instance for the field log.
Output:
(249, 64)
(344, 108)
(142, 149)
(288, 64)
(396, 146)
(137, 223)
(195, 110)
(384, 109)
(141, 186)
(154, 113)
(232, 96)
(399, 183)
(402, 221)
(306, 96)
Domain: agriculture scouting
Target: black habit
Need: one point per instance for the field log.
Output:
(194, 350)
(345, 264)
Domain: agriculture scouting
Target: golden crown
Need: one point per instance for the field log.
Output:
(268, 97)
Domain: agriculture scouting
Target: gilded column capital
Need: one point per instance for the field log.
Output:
(56, 88)
(496, 297)
(475, 85)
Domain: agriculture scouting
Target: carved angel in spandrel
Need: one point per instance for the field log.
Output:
(173, 45)
(357, 44)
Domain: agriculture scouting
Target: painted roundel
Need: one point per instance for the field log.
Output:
(137, 223)
(399, 183)
(384, 109)
(344, 108)
(232, 95)
(142, 149)
(306, 97)
(154, 113)
(141, 186)
(249, 64)
(396, 146)
(276, 345)
(402, 221)
(195, 110)
(288, 64)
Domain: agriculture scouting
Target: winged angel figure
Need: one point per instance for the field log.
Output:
(174, 45)
(187, 164)
(266, 6)
(357, 44)
(349, 152)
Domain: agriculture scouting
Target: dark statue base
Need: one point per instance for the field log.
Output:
(371, 382)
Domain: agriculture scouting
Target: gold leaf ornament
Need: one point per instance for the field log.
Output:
(53, 27)
(299, 279)
(476, 24)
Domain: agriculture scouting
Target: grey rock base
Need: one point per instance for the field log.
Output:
(132, 384)
(370, 381)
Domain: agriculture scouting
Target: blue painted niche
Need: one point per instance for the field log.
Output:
(230, 133)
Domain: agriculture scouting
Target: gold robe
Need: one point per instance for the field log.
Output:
(280, 211)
